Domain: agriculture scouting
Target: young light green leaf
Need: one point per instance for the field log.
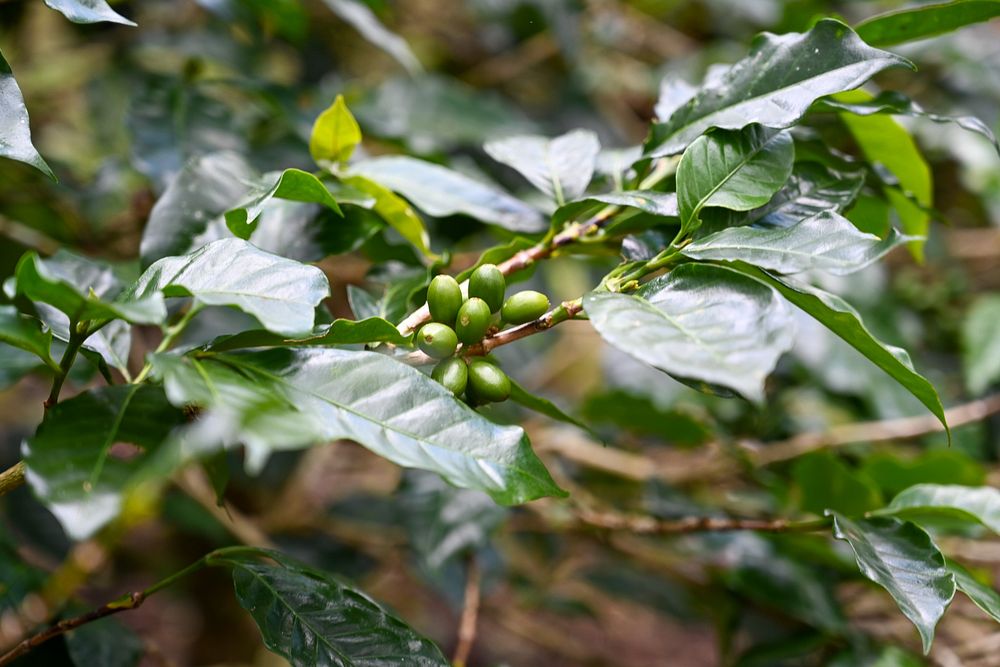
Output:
(738, 170)
(70, 462)
(699, 322)
(981, 344)
(282, 294)
(560, 167)
(362, 19)
(313, 619)
(970, 503)
(825, 241)
(440, 191)
(840, 318)
(912, 23)
(15, 135)
(985, 597)
(775, 85)
(395, 211)
(901, 558)
(88, 11)
(338, 332)
(335, 134)
(26, 333)
(290, 184)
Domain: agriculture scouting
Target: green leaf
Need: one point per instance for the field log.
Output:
(825, 482)
(523, 397)
(105, 642)
(290, 184)
(338, 332)
(19, 578)
(313, 619)
(497, 254)
(775, 85)
(737, 170)
(88, 11)
(662, 204)
(15, 136)
(969, 503)
(901, 558)
(825, 241)
(71, 464)
(895, 473)
(981, 345)
(335, 134)
(985, 597)
(699, 322)
(640, 415)
(440, 191)
(69, 286)
(15, 364)
(309, 233)
(839, 317)
(912, 23)
(395, 211)
(362, 19)
(281, 293)
(26, 333)
(560, 167)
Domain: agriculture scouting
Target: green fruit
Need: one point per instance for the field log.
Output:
(524, 307)
(473, 321)
(488, 284)
(437, 340)
(444, 298)
(453, 373)
(487, 383)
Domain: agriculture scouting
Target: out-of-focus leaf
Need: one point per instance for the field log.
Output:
(19, 578)
(824, 482)
(291, 184)
(338, 332)
(395, 211)
(363, 19)
(105, 642)
(88, 11)
(15, 134)
(27, 334)
(937, 466)
(15, 364)
(901, 558)
(638, 414)
(308, 232)
(544, 406)
(985, 597)
(335, 134)
(911, 23)
(497, 254)
(971, 503)
(655, 203)
(561, 167)
(981, 344)
(775, 85)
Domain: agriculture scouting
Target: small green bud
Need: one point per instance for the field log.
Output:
(487, 383)
(444, 298)
(473, 321)
(488, 284)
(524, 307)
(437, 340)
(453, 373)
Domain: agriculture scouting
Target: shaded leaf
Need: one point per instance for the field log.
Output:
(985, 597)
(561, 167)
(19, 578)
(308, 232)
(26, 333)
(895, 473)
(88, 11)
(15, 135)
(15, 364)
(363, 19)
(824, 481)
(981, 344)
(335, 134)
(339, 332)
(774, 85)
(901, 558)
(291, 184)
(544, 406)
(971, 503)
(105, 642)
(394, 211)
(911, 23)
(640, 415)
(648, 201)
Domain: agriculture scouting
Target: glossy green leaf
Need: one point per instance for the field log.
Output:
(981, 344)
(985, 597)
(290, 184)
(105, 642)
(824, 482)
(699, 322)
(15, 363)
(26, 333)
(929, 20)
(73, 467)
(648, 201)
(395, 211)
(561, 167)
(825, 241)
(362, 19)
(840, 318)
(314, 619)
(88, 11)
(335, 134)
(901, 558)
(440, 191)
(15, 135)
(309, 232)
(971, 503)
(775, 85)
(338, 332)
(282, 294)
(738, 170)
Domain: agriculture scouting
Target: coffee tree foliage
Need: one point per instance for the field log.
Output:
(219, 266)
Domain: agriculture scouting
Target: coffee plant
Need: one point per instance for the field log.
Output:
(341, 264)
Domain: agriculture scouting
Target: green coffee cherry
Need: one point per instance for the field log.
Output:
(453, 373)
(444, 298)
(488, 284)
(437, 340)
(487, 383)
(473, 321)
(524, 307)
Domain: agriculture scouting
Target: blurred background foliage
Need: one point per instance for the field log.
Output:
(117, 111)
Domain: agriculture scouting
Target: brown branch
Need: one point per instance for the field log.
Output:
(12, 478)
(470, 614)
(647, 525)
(131, 601)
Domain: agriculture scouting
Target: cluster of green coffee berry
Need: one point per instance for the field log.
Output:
(456, 318)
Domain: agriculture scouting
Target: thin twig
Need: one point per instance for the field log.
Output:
(11, 478)
(470, 614)
(647, 525)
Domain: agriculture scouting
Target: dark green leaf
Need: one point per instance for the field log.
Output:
(72, 465)
(440, 191)
(911, 23)
(335, 134)
(824, 482)
(774, 85)
(901, 558)
(894, 473)
(985, 597)
(26, 333)
(738, 170)
(560, 167)
(88, 11)
(362, 19)
(105, 642)
(15, 364)
(970, 503)
(282, 294)
(522, 396)
(363, 305)
(640, 415)
(981, 344)
(655, 203)
(395, 211)
(291, 184)
(15, 137)
(313, 619)
(699, 322)
(497, 254)
(309, 233)
(338, 332)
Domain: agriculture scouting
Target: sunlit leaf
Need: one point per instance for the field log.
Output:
(561, 167)
(335, 134)
(15, 135)
(88, 11)
(971, 503)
